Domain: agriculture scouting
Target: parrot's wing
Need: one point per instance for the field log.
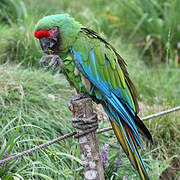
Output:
(99, 62)
(104, 68)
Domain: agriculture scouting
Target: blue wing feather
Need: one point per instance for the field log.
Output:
(106, 91)
(114, 116)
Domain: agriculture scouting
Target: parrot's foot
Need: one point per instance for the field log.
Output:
(87, 125)
(77, 97)
(54, 61)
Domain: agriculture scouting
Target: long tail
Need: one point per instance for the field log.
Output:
(127, 139)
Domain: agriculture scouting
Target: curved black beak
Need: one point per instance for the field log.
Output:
(46, 44)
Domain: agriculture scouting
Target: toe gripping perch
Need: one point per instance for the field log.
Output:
(84, 119)
(53, 60)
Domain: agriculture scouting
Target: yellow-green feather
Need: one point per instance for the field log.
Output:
(133, 157)
(107, 65)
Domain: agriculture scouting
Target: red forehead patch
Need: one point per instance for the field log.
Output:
(41, 34)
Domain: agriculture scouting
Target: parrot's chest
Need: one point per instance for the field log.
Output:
(75, 78)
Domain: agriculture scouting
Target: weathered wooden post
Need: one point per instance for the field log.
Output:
(83, 118)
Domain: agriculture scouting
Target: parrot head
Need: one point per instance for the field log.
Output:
(56, 33)
(48, 39)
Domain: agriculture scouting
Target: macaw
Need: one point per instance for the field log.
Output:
(94, 67)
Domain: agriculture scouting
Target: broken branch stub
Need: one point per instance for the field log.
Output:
(84, 120)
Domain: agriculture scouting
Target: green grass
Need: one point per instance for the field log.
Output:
(27, 110)
(29, 116)
(25, 106)
(151, 26)
(12, 11)
(19, 43)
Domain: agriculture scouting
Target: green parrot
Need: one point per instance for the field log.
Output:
(94, 67)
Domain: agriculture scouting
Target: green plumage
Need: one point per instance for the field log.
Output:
(72, 36)
(110, 71)
(69, 28)
(93, 66)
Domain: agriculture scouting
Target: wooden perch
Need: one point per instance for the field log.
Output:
(90, 154)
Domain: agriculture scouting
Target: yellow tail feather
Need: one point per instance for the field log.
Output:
(133, 156)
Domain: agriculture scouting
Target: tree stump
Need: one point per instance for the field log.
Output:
(90, 153)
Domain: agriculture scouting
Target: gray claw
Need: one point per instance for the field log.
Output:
(58, 60)
(76, 97)
(54, 61)
(45, 59)
(69, 105)
(78, 135)
(54, 66)
(85, 124)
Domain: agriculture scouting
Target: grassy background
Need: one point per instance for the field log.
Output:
(30, 116)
